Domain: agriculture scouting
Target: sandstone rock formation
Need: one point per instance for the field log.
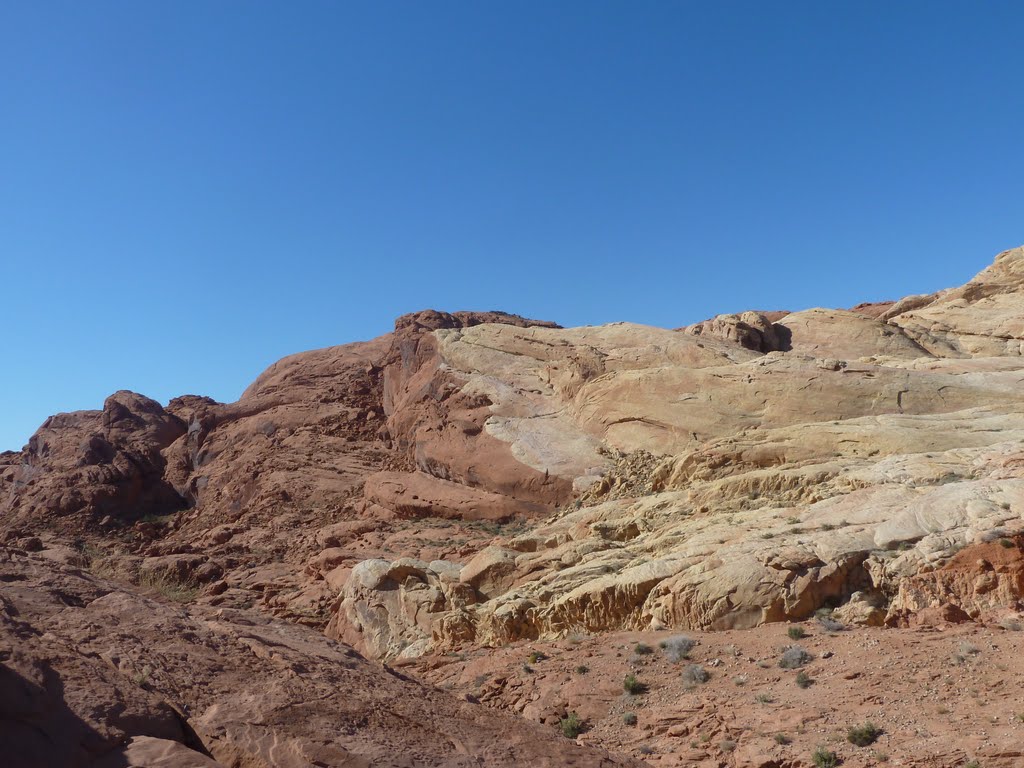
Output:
(95, 675)
(853, 461)
(478, 479)
(94, 464)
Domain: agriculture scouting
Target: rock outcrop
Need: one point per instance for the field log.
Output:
(96, 675)
(979, 319)
(480, 477)
(861, 457)
(90, 467)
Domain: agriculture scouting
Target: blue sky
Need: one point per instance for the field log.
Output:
(191, 190)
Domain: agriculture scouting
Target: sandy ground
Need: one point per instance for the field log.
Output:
(942, 695)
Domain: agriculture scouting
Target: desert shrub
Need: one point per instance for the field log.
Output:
(830, 624)
(794, 657)
(141, 678)
(632, 686)
(97, 561)
(629, 718)
(695, 673)
(968, 648)
(536, 656)
(727, 745)
(782, 739)
(823, 757)
(572, 726)
(796, 633)
(157, 519)
(678, 647)
(642, 649)
(863, 735)
(582, 669)
(803, 680)
(167, 585)
(764, 698)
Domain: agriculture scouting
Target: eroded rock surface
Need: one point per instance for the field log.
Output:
(479, 479)
(95, 675)
(864, 455)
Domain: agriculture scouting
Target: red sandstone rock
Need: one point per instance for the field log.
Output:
(122, 680)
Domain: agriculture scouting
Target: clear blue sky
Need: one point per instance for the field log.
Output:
(191, 190)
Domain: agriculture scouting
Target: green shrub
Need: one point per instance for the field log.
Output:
(863, 735)
(572, 726)
(823, 757)
(629, 718)
(796, 633)
(643, 649)
(582, 669)
(803, 680)
(632, 686)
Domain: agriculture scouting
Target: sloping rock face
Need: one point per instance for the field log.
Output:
(980, 319)
(480, 477)
(94, 675)
(835, 452)
(260, 489)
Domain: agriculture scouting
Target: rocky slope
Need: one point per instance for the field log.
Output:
(96, 675)
(479, 479)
